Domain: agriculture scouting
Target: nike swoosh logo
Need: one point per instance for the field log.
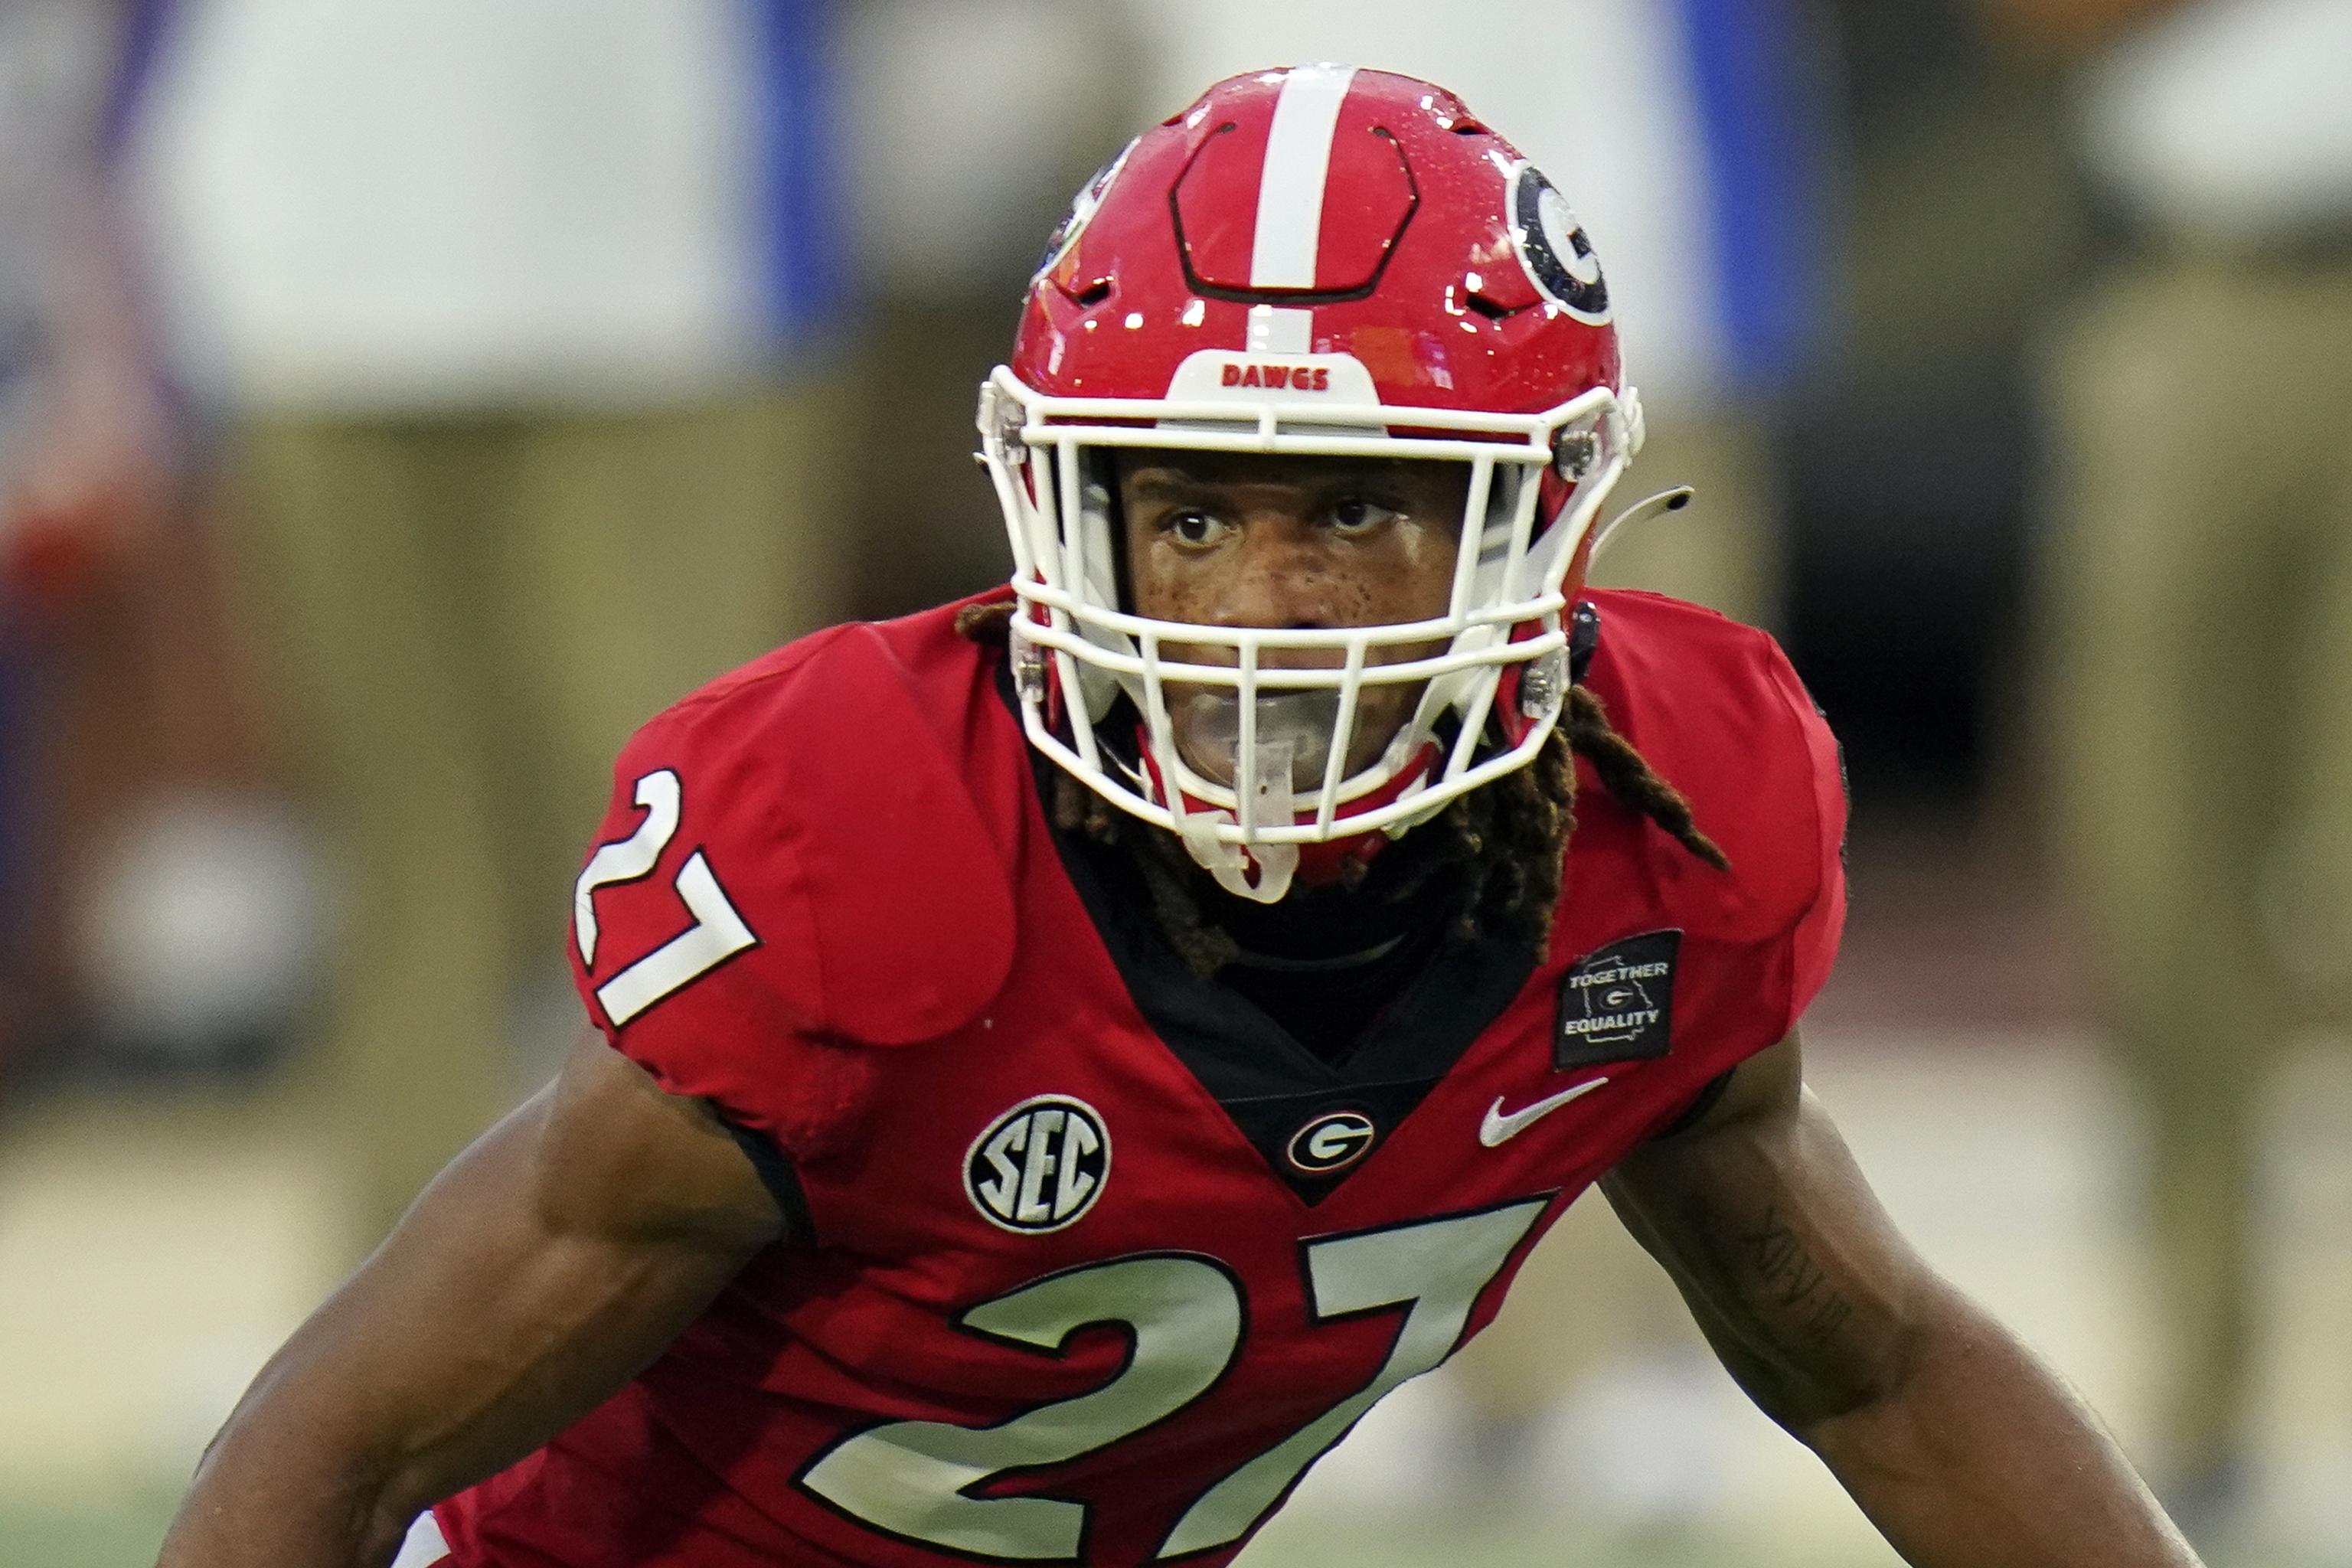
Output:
(1498, 1128)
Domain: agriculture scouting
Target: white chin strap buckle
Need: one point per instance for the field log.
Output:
(1230, 864)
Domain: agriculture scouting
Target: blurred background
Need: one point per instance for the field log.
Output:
(398, 401)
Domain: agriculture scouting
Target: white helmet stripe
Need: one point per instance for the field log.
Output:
(1298, 162)
(1280, 330)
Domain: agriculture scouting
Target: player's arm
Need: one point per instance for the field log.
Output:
(1965, 1450)
(548, 1265)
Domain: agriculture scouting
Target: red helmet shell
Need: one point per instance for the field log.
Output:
(1422, 244)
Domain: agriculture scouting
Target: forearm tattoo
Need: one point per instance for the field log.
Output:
(1775, 1260)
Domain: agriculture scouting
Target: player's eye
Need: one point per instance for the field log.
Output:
(1360, 514)
(1193, 527)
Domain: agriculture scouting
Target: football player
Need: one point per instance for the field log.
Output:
(1059, 1059)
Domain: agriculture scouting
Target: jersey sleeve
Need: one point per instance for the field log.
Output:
(1812, 937)
(1720, 713)
(684, 938)
(787, 879)
(1771, 927)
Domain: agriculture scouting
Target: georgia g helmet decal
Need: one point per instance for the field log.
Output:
(1552, 245)
(1073, 222)
(1320, 261)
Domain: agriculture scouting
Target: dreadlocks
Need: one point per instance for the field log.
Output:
(1507, 841)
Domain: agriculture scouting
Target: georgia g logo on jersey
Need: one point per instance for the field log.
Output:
(1552, 245)
(1330, 1143)
(1039, 1166)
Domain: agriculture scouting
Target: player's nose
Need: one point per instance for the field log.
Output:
(1280, 579)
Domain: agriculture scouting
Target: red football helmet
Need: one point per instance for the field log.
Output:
(1317, 260)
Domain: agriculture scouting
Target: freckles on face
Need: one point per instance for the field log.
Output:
(1285, 543)
(1239, 540)
(1282, 581)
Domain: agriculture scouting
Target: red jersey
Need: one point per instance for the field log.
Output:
(1092, 1261)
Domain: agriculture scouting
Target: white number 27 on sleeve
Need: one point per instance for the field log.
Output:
(718, 931)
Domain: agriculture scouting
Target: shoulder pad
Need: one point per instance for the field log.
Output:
(1719, 714)
(821, 792)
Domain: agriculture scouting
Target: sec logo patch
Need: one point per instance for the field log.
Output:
(1039, 1166)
